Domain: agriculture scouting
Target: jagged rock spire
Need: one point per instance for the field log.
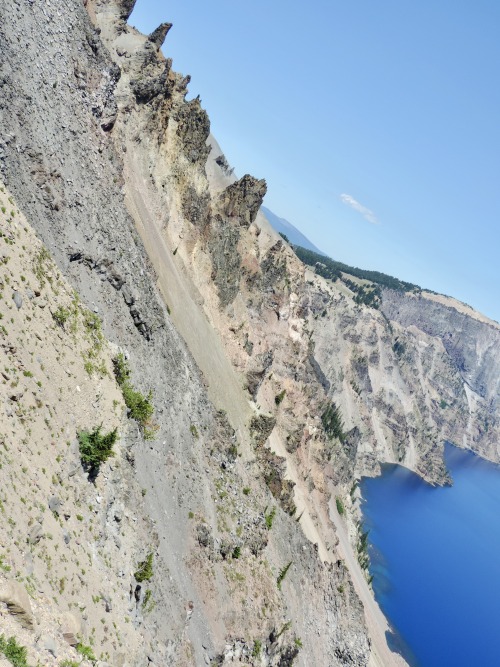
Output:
(126, 8)
(157, 37)
(243, 199)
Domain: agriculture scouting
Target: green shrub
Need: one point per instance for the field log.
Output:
(145, 569)
(61, 316)
(140, 407)
(3, 566)
(282, 574)
(86, 652)
(15, 654)
(270, 518)
(257, 648)
(340, 505)
(332, 422)
(148, 604)
(95, 448)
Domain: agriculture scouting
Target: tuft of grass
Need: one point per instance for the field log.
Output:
(257, 648)
(14, 652)
(3, 566)
(340, 505)
(282, 574)
(41, 265)
(61, 316)
(270, 518)
(86, 651)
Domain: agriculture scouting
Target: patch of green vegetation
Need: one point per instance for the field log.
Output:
(16, 654)
(340, 505)
(282, 574)
(92, 327)
(61, 316)
(140, 407)
(194, 431)
(148, 604)
(86, 651)
(284, 629)
(257, 648)
(333, 423)
(3, 566)
(269, 518)
(41, 265)
(362, 548)
(96, 448)
(329, 268)
(145, 569)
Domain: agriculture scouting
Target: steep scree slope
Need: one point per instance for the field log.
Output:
(220, 541)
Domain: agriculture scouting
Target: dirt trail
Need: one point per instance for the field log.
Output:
(381, 655)
(225, 388)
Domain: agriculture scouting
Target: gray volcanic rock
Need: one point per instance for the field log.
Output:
(126, 7)
(241, 200)
(14, 595)
(157, 37)
(96, 134)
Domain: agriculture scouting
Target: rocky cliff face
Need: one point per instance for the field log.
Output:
(243, 349)
(414, 375)
(233, 577)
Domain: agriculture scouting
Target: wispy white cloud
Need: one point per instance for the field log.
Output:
(365, 212)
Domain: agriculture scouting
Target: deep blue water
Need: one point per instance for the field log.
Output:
(435, 556)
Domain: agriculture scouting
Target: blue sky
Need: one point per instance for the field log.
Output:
(375, 124)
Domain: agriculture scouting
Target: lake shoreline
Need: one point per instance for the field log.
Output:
(422, 541)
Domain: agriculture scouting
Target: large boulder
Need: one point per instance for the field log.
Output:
(71, 627)
(14, 595)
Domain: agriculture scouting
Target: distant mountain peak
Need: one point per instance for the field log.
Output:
(283, 226)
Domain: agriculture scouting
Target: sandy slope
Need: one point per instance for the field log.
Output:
(225, 388)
